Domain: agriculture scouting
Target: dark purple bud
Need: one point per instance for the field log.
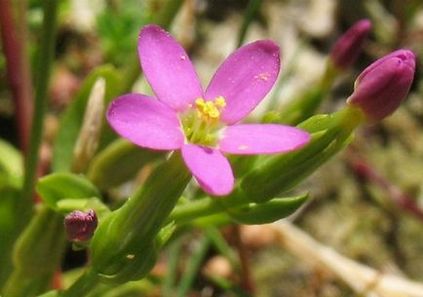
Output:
(381, 87)
(346, 49)
(80, 226)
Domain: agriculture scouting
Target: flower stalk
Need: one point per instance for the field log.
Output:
(46, 53)
(343, 55)
(125, 245)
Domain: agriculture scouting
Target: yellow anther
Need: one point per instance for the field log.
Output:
(220, 102)
(209, 110)
(201, 122)
(200, 102)
(214, 114)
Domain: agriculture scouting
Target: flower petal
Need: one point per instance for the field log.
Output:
(167, 68)
(210, 168)
(145, 122)
(253, 139)
(244, 78)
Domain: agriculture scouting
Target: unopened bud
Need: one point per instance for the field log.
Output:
(381, 87)
(89, 135)
(347, 48)
(80, 226)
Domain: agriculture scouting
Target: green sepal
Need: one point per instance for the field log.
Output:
(71, 122)
(66, 191)
(120, 156)
(277, 174)
(268, 212)
(133, 228)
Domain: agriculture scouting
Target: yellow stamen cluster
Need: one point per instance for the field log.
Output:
(210, 110)
(201, 123)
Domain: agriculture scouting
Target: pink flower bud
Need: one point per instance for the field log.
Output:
(347, 48)
(381, 87)
(80, 226)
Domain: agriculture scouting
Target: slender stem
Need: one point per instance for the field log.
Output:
(172, 268)
(252, 8)
(247, 282)
(221, 245)
(163, 18)
(45, 59)
(88, 281)
(167, 13)
(204, 207)
(364, 170)
(193, 267)
(13, 34)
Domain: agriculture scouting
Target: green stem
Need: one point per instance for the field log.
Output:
(193, 267)
(222, 246)
(167, 13)
(298, 110)
(252, 8)
(172, 269)
(88, 281)
(164, 18)
(46, 53)
(205, 207)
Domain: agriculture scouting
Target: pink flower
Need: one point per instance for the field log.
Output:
(203, 124)
(348, 47)
(383, 85)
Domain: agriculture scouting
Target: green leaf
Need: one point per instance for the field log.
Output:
(267, 212)
(36, 254)
(50, 294)
(72, 119)
(58, 187)
(11, 164)
(120, 156)
(8, 220)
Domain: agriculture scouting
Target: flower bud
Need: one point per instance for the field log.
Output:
(80, 226)
(89, 135)
(381, 87)
(347, 48)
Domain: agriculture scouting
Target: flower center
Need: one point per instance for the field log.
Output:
(201, 122)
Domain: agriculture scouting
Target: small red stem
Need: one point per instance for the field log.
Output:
(364, 170)
(247, 282)
(17, 67)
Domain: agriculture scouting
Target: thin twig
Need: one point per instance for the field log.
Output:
(361, 278)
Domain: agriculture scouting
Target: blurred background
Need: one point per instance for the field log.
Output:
(367, 204)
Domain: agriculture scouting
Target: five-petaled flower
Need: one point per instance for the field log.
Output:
(203, 124)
